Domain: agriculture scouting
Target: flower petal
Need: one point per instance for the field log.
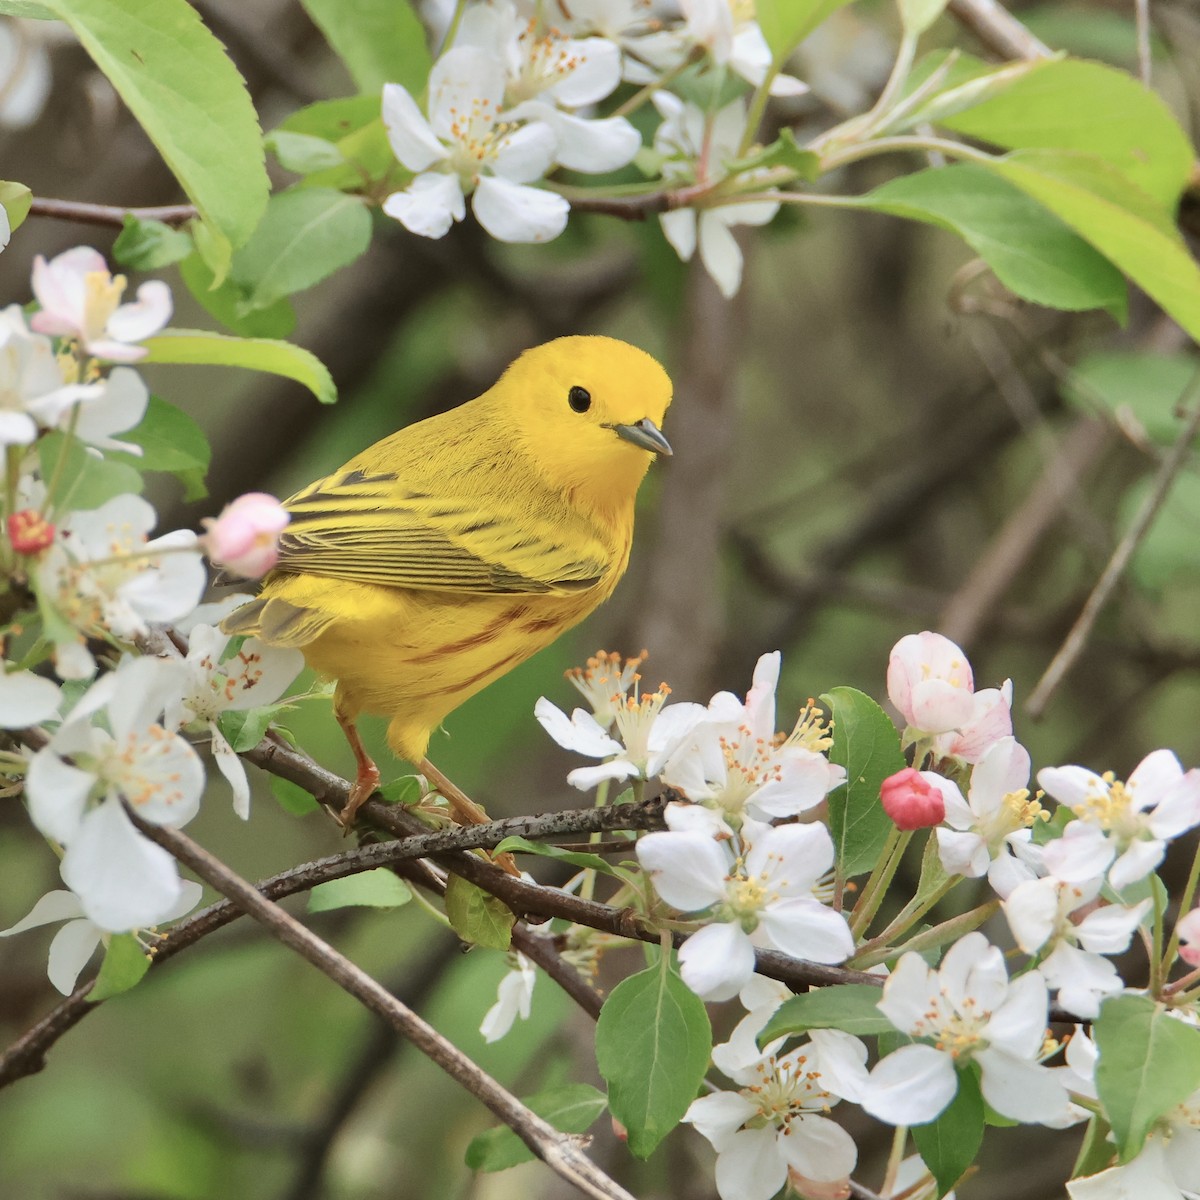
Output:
(511, 212)
(687, 869)
(429, 205)
(717, 961)
(70, 950)
(413, 141)
(53, 906)
(911, 1086)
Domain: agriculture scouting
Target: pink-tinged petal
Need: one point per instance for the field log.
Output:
(719, 1115)
(990, 721)
(463, 82)
(58, 286)
(760, 699)
(911, 1086)
(1188, 929)
(938, 706)
(1020, 1089)
(1004, 768)
(1136, 863)
(918, 657)
(596, 76)
(808, 929)
(717, 961)
(819, 1149)
(1081, 854)
(751, 1166)
(911, 801)
(511, 212)
(720, 253)
(111, 350)
(963, 853)
(53, 906)
(124, 881)
(72, 947)
(27, 699)
(57, 793)
(145, 316)
(429, 205)
(1179, 809)
(687, 869)
(412, 140)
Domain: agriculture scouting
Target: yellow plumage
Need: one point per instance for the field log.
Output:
(449, 552)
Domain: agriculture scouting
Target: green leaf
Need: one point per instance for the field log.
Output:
(85, 482)
(354, 124)
(404, 790)
(306, 235)
(570, 1108)
(1135, 384)
(1121, 221)
(292, 797)
(224, 303)
(1171, 545)
(125, 962)
(785, 151)
(244, 728)
(653, 1043)
(255, 354)
(333, 120)
(520, 845)
(170, 441)
(1149, 1062)
(188, 97)
(948, 1145)
(477, 917)
(379, 888)
(867, 744)
(1032, 251)
(853, 1007)
(303, 153)
(27, 8)
(150, 245)
(380, 41)
(786, 23)
(1070, 105)
(918, 15)
(15, 199)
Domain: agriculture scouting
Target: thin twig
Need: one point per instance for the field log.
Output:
(1075, 641)
(1142, 13)
(110, 214)
(998, 29)
(561, 1152)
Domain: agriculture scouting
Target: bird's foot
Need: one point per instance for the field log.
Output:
(365, 784)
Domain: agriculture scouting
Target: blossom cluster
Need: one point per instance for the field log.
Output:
(747, 862)
(84, 584)
(512, 98)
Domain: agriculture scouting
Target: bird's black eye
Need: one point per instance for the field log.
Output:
(580, 399)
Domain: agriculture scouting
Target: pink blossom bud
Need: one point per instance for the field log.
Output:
(245, 537)
(1188, 930)
(911, 800)
(29, 532)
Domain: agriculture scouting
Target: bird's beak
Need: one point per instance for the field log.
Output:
(644, 433)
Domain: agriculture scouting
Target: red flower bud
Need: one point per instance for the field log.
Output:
(29, 532)
(911, 800)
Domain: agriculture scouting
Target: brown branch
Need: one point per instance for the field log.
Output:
(110, 214)
(998, 29)
(561, 1152)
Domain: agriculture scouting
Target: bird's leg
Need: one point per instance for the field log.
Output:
(367, 778)
(465, 810)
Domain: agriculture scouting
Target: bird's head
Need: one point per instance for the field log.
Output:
(589, 412)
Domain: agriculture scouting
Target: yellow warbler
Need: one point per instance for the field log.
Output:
(449, 552)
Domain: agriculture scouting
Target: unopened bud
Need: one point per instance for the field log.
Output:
(911, 800)
(29, 532)
(245, 537)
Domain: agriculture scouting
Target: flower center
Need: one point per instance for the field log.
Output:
(1112, 809)
(478, 137)
(786, 1089)
(957, 1032)
(635, 718)
(547, 59)
(604, 682)
(101, 295)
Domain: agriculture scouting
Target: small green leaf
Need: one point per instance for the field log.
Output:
(15, 199)
(853, 1007)
(786, 23)
(948, 1145)
(1149, 1062)
(520, 845)
(85, 482)
(255, 354)
(1030, 249)
(303, 153)
(189, 98)
(150, 245)
(918, 15)
(653, 1043)
(223, 302)
(1133, 383)
(404, 790)
(785, 151)
(333, 120)
(379, 888)
(380, 41)
(170, 441)
(477, 917)
(1069, 105)
(292, 797)
(570, 1108)
(867, 744)
(244, 728)
(306, 235)
(125, 962)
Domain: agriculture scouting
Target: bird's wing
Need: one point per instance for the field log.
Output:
(368, 528)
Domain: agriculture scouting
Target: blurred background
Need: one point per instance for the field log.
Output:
(872, 439)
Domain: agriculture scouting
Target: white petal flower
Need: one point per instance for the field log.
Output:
(514, 999)
(27, 699)
(512, 212)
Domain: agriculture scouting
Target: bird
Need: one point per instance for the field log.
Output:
(445, 554)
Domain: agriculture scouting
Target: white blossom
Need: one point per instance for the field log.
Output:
(1122, 828)
(514, 999)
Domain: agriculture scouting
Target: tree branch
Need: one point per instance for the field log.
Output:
(998, 29)
(110, 214)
